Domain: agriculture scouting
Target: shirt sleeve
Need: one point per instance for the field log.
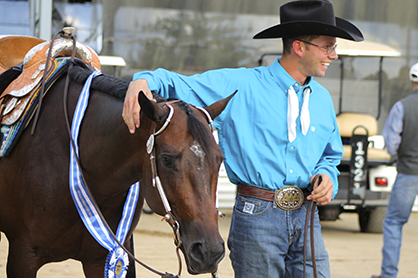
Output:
(393, 128)
(330, 159)
(199, 89)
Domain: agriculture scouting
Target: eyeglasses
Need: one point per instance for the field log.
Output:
(328, 49)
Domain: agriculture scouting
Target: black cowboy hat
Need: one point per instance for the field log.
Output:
(310, 17)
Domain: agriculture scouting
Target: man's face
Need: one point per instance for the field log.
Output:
(318, 55)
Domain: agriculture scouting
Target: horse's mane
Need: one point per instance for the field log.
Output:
(105, 83)
(111, 85)
(117, 87)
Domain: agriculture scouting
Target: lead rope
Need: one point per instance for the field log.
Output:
(310, 211)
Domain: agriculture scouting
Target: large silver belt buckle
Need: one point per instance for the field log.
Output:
(289, 198)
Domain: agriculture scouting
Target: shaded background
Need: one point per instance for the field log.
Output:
(191, 36)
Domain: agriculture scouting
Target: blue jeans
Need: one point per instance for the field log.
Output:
(400, 204)
(267, 241)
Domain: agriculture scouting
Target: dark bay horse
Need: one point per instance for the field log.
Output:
(37, 213)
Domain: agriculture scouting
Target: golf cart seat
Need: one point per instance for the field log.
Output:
(360, 123)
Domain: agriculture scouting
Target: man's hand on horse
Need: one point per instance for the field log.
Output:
(131, 108)
(323, 189)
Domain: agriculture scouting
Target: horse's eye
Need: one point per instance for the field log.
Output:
(167, 161)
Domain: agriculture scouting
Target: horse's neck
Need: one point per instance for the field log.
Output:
(110, 155)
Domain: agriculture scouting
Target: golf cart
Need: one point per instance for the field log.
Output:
(367, 170)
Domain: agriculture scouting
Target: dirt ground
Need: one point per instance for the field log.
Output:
(352, 254)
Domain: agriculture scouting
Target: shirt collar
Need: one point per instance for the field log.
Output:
(284, 79)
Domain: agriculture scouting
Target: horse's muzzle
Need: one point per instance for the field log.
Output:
(204, 258)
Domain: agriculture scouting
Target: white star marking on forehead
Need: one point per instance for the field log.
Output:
(197, 150)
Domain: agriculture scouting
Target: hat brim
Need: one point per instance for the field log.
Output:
(343, 29)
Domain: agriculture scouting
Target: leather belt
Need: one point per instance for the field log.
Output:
(262, 194)
(256, 192)
(287, 198)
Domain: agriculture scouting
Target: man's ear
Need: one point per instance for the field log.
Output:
(298, 47)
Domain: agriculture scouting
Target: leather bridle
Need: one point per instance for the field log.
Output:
(156, 182)
(169, 217)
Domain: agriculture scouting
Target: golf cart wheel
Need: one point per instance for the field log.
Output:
(371, 219)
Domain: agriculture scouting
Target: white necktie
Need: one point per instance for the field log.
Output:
(293, 112)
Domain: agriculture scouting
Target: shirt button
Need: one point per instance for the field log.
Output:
(291, 171)
(292, 147)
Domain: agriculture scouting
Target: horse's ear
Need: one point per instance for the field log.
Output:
(150, 108)
(216, 108)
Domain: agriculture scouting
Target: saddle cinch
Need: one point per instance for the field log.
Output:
(17, 99)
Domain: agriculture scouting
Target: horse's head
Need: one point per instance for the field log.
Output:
(187, 161)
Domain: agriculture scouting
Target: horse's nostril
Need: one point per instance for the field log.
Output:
(204, 258)
(200, 253)
(197, 252)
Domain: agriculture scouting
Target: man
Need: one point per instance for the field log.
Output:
(278, 133)
(401, 133)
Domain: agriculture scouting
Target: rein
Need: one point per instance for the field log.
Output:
(310, 212)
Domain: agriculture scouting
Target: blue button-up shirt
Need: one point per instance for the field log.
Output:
(253, 127)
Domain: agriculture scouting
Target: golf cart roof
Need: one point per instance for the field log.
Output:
(351, 48)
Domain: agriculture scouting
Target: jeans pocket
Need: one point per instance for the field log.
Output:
(247, 206)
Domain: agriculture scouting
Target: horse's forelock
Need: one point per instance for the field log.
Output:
(197, 129)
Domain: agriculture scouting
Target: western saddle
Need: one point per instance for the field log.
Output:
(33, 52)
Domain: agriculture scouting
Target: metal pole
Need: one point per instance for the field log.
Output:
(379, 103)
(340, 103)
(45, 19)
(32, 17)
